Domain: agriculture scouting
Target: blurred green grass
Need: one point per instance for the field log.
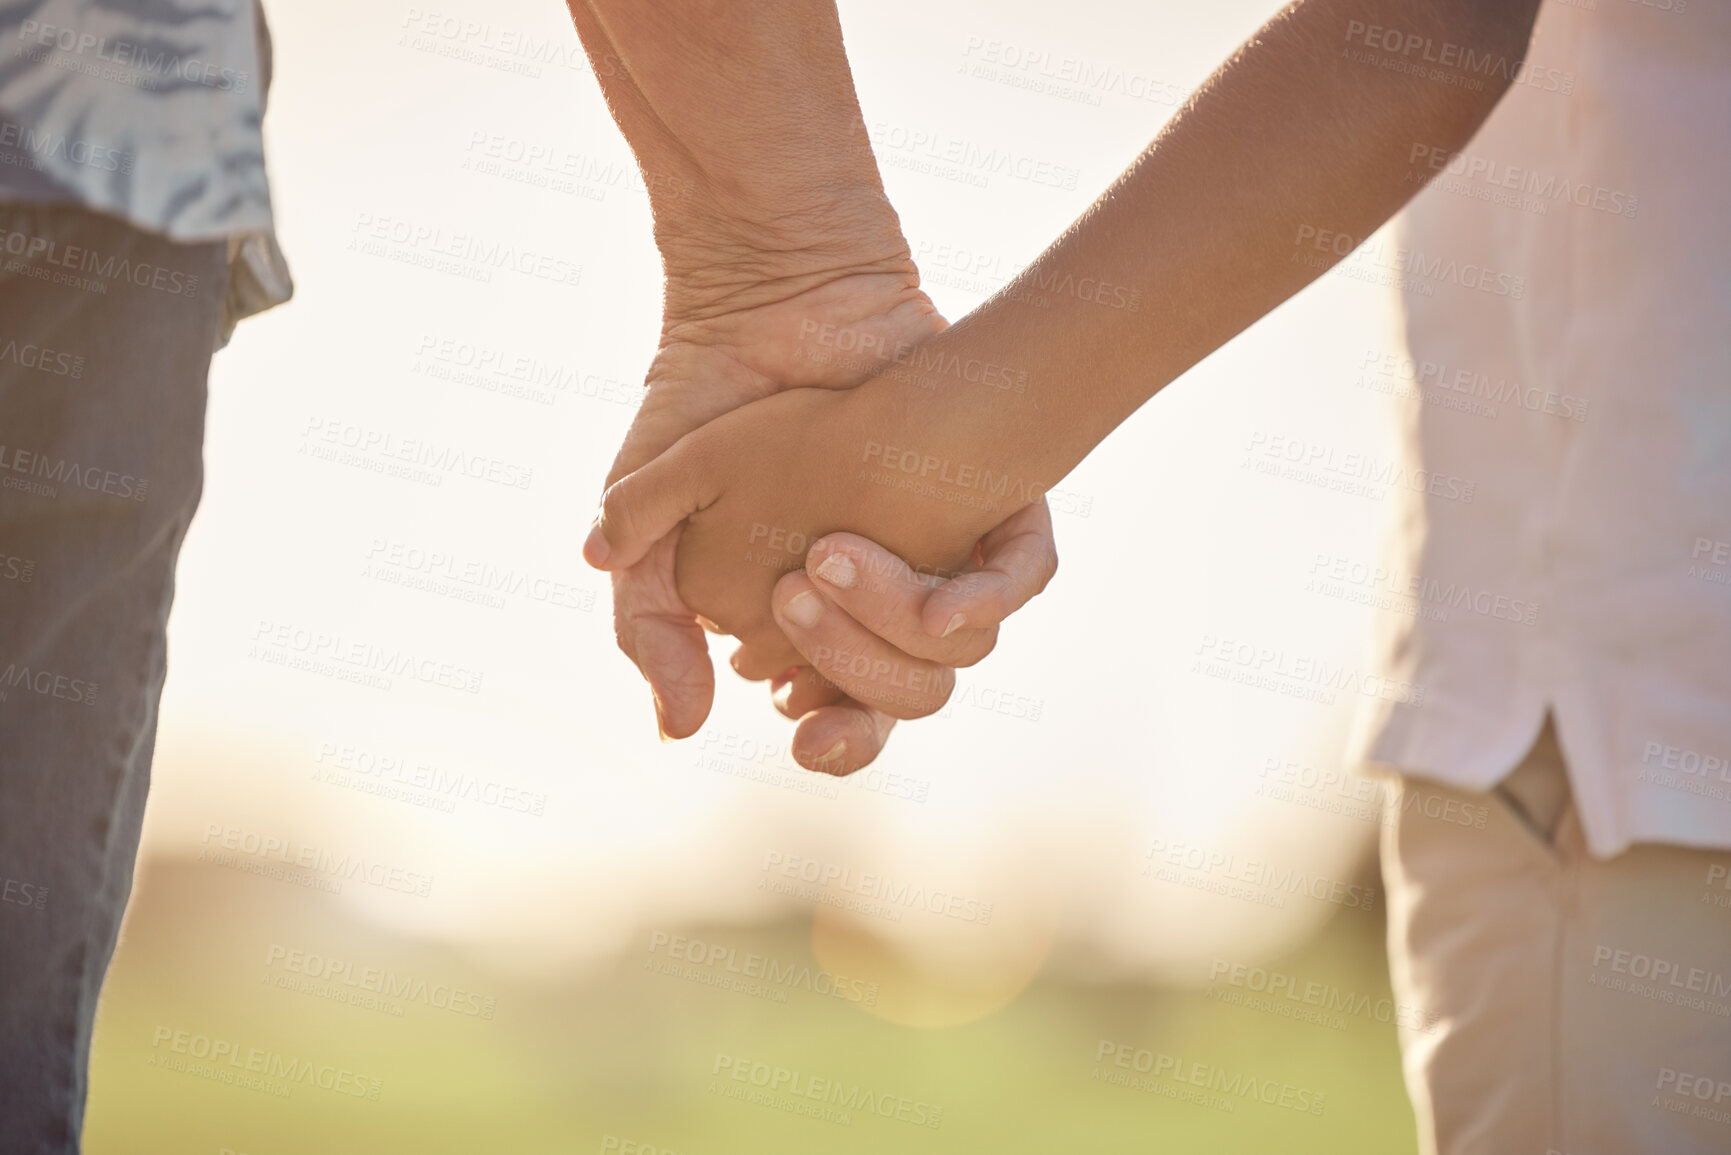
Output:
(627, 1052)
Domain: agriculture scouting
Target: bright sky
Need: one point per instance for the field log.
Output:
(381, 125)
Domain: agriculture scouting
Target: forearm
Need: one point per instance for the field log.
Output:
(1205, 233)
(743, 117)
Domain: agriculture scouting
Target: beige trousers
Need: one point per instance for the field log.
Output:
(1572, 1006)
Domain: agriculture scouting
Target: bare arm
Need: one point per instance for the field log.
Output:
(1294, 151)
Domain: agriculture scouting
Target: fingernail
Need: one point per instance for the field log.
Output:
(837, 569)
(956, 621)
(595, 548)
(834, 754)
(803, 609)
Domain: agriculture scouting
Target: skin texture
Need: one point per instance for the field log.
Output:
(1214, 224)
(771, 220)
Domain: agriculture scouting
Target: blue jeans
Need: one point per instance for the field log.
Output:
(106, 334)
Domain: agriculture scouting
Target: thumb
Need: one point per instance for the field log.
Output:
(645, 505)
(1017, 559)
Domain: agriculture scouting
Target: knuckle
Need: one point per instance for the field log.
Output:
(616, 509)
(996, 603)
(976, 648)
(931, 700)
(884, 612)
(910, 708)
(903, 691)
(625, 634)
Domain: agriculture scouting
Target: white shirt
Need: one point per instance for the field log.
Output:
(151, 112)
(1583, 385)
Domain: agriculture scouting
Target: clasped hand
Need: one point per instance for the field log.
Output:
(906, 575)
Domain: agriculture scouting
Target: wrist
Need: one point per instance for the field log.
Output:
(726, 259)
(981, 416)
